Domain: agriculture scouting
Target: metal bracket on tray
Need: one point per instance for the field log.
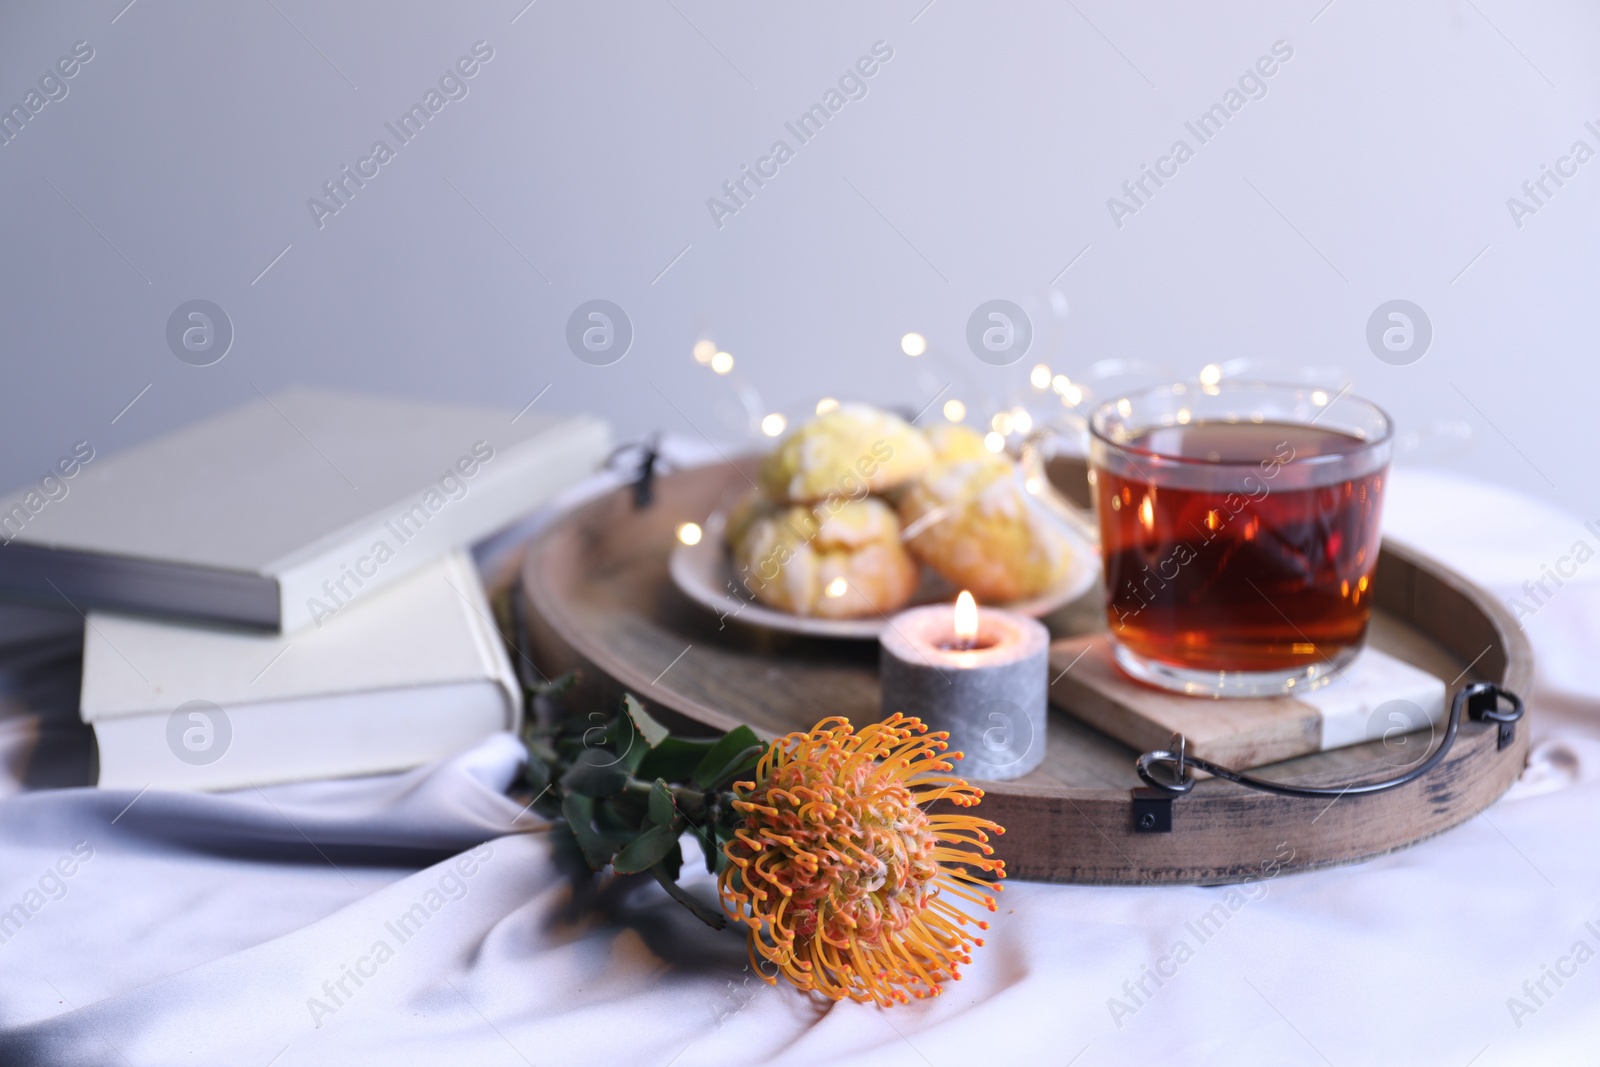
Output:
(647, 463)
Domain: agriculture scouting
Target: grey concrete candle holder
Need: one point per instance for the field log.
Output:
(992, 698)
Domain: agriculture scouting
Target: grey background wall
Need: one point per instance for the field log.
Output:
(1375, 163)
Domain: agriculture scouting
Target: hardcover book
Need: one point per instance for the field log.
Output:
(278, 514)
(413, 673)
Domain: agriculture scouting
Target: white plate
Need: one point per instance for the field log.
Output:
(703, 573)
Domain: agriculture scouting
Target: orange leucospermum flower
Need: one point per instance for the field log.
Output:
(849, 887)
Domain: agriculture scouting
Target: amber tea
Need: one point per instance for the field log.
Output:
(1240, 544)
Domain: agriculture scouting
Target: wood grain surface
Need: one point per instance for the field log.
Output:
(1235, 733)
(599, 598)
(1239, 732)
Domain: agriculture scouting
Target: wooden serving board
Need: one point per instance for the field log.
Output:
(1245, 733)
(599, 598)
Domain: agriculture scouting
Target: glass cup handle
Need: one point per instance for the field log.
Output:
(1078, 523)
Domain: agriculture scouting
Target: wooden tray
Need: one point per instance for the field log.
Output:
(599, 598)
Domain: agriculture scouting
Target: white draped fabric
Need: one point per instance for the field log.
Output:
(423, 918)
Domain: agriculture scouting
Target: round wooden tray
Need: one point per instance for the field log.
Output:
(599, 598)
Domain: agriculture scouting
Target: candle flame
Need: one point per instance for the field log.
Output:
(966, 617)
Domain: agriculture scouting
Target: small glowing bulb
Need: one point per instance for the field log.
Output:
(1021, 421)
(1001, 423)
(689, 533)
(703, 351)
(1319, 398)
(827, 404)
(966, 618)
(1061, 383)
(1034, 486)
(1210, 374)
(837, 588)
(1147, 513)
(1073, 395)
(1125, 408)
(773, 424)
(994, 442)
(913, 344)
(721, 362)
(955, 410)
(1184, 416)
(1039, 376)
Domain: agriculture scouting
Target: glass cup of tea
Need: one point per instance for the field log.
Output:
(1239, 532)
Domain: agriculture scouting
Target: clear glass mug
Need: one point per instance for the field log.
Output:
(1239, 529)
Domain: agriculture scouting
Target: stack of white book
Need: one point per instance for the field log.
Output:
(283, 592)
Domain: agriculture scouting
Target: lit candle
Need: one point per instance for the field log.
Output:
(981, 675)
(966, 622)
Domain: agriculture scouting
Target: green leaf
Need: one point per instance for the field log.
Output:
(554, 686)
(662, 809)
(595, 774)
(724, 835)
(646, 850)
(706, 914)
(541, 747)
(672, 863)
(579, 813)
(652, 732)
(727, 757)
(742, 763)
(536, 773)
(636, 753)
(611, 820)
(675, 758)
(713, 852)
(548, 804)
